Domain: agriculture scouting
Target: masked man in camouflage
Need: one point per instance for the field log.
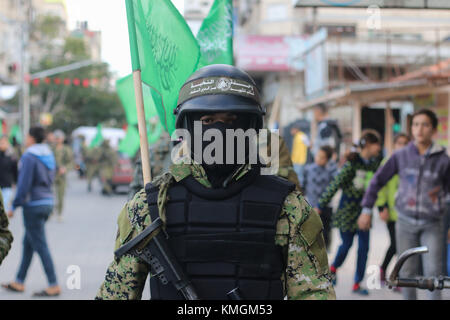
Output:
(228, 224)
(108, 160)
(6, 237)
(92, 160)
(64, 163)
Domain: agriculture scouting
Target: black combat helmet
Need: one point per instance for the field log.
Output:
(219, 88)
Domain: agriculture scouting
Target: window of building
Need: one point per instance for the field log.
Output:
(334, 30)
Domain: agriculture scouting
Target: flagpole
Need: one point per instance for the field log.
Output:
(142, 125)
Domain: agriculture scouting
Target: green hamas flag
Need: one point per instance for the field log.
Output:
(164, 49)
(125, 91)
(98, 139)
(130, 144)
(215, 36)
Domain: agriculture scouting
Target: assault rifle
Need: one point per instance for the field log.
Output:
(154, 250)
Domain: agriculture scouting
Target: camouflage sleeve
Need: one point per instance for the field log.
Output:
(125, 278)
(6, 237)
(307, 271)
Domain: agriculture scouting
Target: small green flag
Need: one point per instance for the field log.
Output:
(98, 139)
(130, 144)
(215, 36)
(125, 91)
(164, 49)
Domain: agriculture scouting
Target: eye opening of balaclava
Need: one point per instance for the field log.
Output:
(217, 173)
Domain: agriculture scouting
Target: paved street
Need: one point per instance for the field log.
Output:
(86, 236)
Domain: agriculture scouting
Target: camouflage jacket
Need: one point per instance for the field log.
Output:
(299, 229)
(6, 237)
(92, 155)
(107, 157)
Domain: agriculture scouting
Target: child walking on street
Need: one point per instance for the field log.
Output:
(386, 206)
(423, 168)
(316, 177)
(352, 180)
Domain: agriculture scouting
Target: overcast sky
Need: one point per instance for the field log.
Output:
(109, 17)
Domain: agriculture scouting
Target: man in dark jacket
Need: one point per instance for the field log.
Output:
(35, 195)
(8, 171)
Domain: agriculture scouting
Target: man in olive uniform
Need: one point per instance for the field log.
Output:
(107, 160)
(64, 163)
(6, 237)
(159, 163)
(92, 161)
(228, 224)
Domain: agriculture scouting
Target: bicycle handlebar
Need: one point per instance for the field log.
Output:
(433, 283)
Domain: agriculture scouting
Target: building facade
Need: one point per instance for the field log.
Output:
(363, 47)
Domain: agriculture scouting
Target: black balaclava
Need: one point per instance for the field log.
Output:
(217, 173)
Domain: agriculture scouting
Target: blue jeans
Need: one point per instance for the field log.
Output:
(7, 193)
(363, 250)
(34, 219)
(410, 235)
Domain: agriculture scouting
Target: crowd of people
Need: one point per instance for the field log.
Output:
(410, 190)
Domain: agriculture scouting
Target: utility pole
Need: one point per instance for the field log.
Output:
(25, 8)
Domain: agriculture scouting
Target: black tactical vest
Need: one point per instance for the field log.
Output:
(225, 238)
